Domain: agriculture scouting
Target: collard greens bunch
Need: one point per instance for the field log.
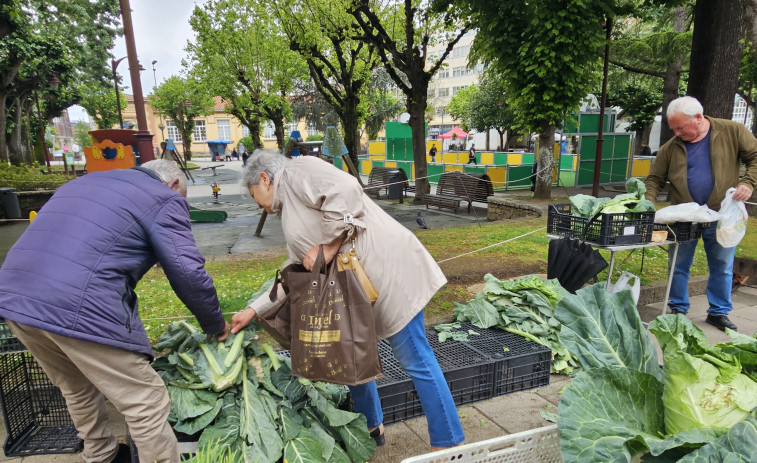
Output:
(632, 201)
(699, 408)
(523, 306)
(243, 398)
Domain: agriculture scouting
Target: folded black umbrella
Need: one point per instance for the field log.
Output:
(573, 262)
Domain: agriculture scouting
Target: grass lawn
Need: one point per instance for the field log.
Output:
(236, 280)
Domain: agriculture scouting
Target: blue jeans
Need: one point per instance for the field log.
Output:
(416, 357)
(720, 263)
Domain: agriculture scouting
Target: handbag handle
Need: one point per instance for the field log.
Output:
(279, 280)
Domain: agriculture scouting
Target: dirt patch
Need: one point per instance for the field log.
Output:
(470, 270)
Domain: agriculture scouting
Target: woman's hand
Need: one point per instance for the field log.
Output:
(242, 319)
(329, 251)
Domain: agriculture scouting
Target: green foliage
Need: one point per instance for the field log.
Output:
(101, 104)
(459, 106)
(247, 142)
(524, 306)
(182, 100)
(633, 201)
(623, 404)
(81, 134)
(262, 413)
(241, 55)
(29, 178)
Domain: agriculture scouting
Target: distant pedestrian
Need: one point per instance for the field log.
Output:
(645, 150)
(234, 154)
(245, 157)
(227, 156)
(472, 154)
(432, 153)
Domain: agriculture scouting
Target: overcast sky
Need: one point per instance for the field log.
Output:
(161, 32)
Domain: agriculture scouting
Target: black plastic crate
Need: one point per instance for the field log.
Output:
(606, 230)
(187, 445)
(8, 341)
(683, 231)
(520, 363)
(36, 417)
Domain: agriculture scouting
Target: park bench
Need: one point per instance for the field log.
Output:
(213, 167)
(455, 187)
(379, 177)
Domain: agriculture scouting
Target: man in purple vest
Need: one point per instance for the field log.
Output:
(701, 163)
(67, 293)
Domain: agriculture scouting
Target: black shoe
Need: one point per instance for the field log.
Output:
(675, 311)
(721, 322)
(123, 455)
(378, 436)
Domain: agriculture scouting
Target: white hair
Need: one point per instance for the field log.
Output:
(686, 105)
(168, 172)
(268, 161)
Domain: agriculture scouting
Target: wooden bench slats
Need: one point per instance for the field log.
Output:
(454, 187)
(378, 180)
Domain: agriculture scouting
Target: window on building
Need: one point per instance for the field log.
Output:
(312, 130)
(269, 131)
(741, 112)
(460, 51)
(457, 89)
(430, 92)
(443, 92)
(443, 73)
(459, 71)
(290, 127)
(200, 133)
(172, 131)
(224, 129)
(478, 69)
(245, 131)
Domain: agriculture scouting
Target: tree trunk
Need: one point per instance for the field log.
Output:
(716, 49)
(351, 131)
(19, 156)
(546, 158)
(278, 130)
(254, 127)
(672, 79)
(417, 109)
(4, 155)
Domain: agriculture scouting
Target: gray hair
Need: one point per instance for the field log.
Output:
(686, 105)
(268, 161)
(168, 172)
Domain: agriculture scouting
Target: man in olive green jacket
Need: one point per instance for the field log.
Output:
(701, 163)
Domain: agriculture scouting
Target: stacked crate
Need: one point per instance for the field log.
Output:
(35, 413)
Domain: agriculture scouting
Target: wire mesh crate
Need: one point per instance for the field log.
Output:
(683, 231)
(616, 229)
(8, 341)
(540, 445)
(36, 417)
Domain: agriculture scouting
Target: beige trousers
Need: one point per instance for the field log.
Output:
(87, 373)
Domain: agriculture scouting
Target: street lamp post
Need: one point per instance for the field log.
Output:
(54, 82)
(155, 79)
(113, 65)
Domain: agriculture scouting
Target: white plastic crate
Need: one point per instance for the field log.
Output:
(540, 445)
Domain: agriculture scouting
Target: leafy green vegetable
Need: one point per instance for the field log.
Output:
(522, 306)
(704, 386)
(739, 440)
(604, 330)
(243, 398)
(624, 405)
(632, 201)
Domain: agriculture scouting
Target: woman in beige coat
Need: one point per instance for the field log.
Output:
(322, 205)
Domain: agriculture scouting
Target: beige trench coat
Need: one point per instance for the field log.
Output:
(313, 198)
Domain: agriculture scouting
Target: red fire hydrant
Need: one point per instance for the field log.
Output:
(216, 189)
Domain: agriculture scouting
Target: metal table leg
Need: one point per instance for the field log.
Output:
(609, 271)
(671, 271)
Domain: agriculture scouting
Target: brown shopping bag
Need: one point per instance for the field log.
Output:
(332, 326)
(276, 321)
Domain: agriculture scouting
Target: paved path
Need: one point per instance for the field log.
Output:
(499, 416)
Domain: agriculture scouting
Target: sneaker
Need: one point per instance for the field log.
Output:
(721, 322)
(676, 311)
(378, 435)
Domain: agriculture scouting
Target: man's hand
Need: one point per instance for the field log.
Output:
(242, 319)
(743, 193)
(224, 334)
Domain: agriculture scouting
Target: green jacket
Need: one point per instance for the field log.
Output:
(731, 144)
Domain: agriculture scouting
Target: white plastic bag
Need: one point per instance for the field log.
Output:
(732, 222)
(628, 281)
(686, 212)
